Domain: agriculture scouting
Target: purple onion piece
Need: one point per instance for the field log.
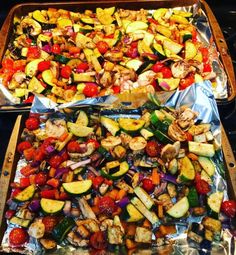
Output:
(61, 152)
(34, 205)
(50, 149)
(123, 202)
(141, 176)
(47, 48)
(169, 178)
(35, 163)
(61, 171)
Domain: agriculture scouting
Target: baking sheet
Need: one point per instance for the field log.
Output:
(198, 97)
(220, 88)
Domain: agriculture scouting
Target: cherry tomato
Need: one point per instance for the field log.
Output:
(107, 205)
(9, 214)
(97, 181)
(7, 63)
(15, 192)
(153, 148)
(229, 208)
(116, 89)
(166, 72)
(131, 52)
(55, 161)
(207, 68)
(186, 82)
(82, 67)
(18, 236)
(157, 67)
(189, 136)
(50, 222)
(32, 123)
(98, 240)
(66, 72)
(40, 179)
(29, 100)
(90, 89)
(134, 44)
(102, 47)
(202, 187)
(44, 65)
(24, 182)
(56, 49)
(95, 142)
(148, 185)
(33, 52)
(73, 146)
(23, 146)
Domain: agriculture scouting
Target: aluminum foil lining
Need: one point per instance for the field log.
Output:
(199, 98)
(200, 20)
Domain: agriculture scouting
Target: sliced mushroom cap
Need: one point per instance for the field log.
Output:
(31, 26)
(170, 151)
(176, 133)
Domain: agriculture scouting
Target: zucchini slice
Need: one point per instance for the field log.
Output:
(25, 194)
(51, 206)
(111, 125)
(82, 119)
(20, 222)
(179, 19)
(151, 216)
(214, 202)
(123, 169)
(187, 171)
(48, 77)
(168, 84)
(134, 64)
(190, 50)
(38, 16)
(82, 77)
(159, 13)
(62, 59)
(31, 68)
(35, 85)
(172, 46)
(77, 187)
(146, 133)
(201, 149)
(179, 209)
(63, 228)
(136, 25)
(110, 142)
(105, 15)
(131, 125)
(78, 130)
(144, 197)
(134, 214)
(158, 50)
(207, 165)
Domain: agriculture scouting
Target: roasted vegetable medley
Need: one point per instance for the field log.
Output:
(69, 56)
(104, 180)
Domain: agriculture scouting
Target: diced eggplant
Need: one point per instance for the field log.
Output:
(143, 235)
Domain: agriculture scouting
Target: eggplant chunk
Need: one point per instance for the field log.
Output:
(143, 235)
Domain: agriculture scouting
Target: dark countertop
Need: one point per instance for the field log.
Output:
(221, 9)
